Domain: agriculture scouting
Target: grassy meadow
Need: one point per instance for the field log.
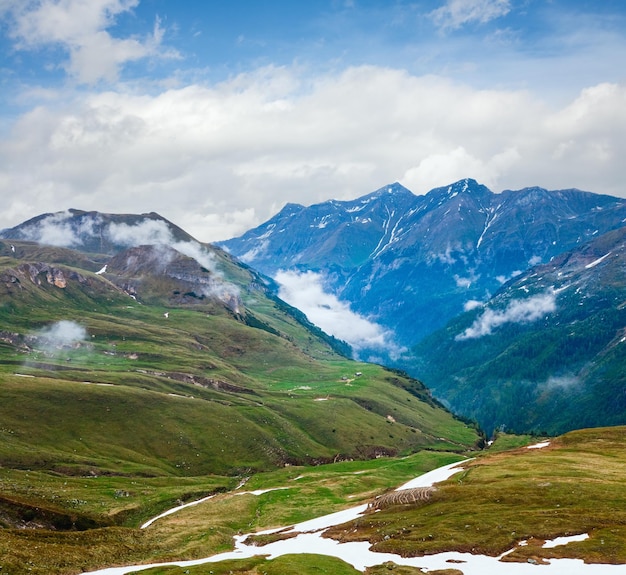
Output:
(160, 402)
(163, 401)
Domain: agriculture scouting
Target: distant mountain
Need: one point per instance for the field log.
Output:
(546, 353)
(414, 262)
(150, 259)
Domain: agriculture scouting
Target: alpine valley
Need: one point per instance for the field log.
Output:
(142, 370)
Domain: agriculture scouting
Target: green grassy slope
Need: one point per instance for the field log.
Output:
(158, 400)
(573, 486)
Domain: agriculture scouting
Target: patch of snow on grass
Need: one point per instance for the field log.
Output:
(432, 477)
(539, 445)
(565, 540)
(174, 510)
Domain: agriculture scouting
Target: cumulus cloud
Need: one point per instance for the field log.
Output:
(456, 13)
(248, 145)
(517, 311)
(80, 28)
(305, 291)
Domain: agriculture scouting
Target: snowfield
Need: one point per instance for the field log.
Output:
(358, 554)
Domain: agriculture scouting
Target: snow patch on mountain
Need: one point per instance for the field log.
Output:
(596, 262)
(255, 252)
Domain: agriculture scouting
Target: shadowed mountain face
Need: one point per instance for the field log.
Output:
(546, 353)
(413, 262)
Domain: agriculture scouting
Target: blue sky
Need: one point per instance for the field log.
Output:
(215, 114)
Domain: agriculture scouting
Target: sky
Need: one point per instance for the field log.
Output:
(216, 114)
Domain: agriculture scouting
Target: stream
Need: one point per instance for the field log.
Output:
(358, 554)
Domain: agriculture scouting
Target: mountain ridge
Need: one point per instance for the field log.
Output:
(464, 239)
(455, 253)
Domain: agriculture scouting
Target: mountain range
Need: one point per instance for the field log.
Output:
(449, 279)
(413, 262)
(421, 266)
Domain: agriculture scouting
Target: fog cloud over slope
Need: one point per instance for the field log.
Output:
(60, 335)
(305, 291)
(517, 311)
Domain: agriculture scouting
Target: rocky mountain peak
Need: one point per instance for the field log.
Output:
(466, 187)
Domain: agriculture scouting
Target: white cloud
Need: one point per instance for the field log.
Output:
(62, 334)
(57, 230)
(80, 28)
(456, 13)
(455, 164)
(471, 304)
(503, 279)
(150, 232)
(223, 158)
(54, 230)
(561, 383)
(224, 225)
(145, 232)
(517, 311)
(305, 291)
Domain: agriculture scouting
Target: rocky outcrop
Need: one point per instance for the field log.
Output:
(38, 273)
(402, 497)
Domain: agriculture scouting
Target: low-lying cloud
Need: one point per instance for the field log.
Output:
(157, 232)
(58, 230)
(561, 383)
(305, 291)
(517, 311)
(63, 334)
(63, 230)
(147, 232)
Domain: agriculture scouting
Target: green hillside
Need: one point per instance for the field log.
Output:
(125, 391)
